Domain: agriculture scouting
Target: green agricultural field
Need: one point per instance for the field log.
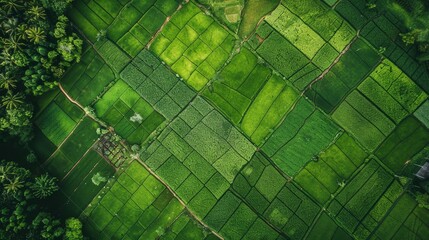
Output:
(209, 119)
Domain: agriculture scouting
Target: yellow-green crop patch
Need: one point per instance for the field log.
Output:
(137, 206)
(194, 45)
(131, 116)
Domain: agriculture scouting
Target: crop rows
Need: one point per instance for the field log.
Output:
(301, 136)
(194, 45)
(138, 206)
(333, 167)
(130, 24)
(199, 104)
(64, 141)
(155, 83)
(383, 33)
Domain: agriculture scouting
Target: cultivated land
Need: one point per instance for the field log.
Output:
(297, 133)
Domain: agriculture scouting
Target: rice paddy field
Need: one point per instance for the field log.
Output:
(238, 120)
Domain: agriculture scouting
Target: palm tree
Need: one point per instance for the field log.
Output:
(10, 26)
(35, 34)
(11, 101)
(4, 172)
(11, 5)
(36, 13)
(6, 58)
(14, 185)
(12, 43)
(7, 82)
(44, 186)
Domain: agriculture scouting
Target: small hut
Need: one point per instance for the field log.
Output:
(423, 172)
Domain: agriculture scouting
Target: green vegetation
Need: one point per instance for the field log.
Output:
(253, 12)
(214, 119)
(36, 49)
(21, 214)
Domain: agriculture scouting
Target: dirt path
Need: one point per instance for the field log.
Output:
(143, 164)
(337, 59)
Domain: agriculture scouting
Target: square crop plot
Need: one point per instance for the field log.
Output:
(132, 117)
(408, 138)
(364, 120)
(193, 45)
(251, 96)
(366, 198)
(210, 153)
(320, 41)
(405, 219)
(87, 79)
(392, 91)
(77, 186)
(155, 83)
(55, 124)
(142, 213)
(334, 166)
(266, 191)
(300, 137)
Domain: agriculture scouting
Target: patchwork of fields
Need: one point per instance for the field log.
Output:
(173, 127)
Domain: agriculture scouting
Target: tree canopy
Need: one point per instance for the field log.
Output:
(36, 48)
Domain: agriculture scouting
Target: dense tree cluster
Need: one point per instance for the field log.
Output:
(21, 215)
(36, 47)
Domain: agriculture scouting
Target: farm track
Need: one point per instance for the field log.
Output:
(137, 159)
(142, 163)
(337, 59)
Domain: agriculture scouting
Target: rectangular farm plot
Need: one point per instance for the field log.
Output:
(333, 167)
(74, 162)
(137, 206)
(405, 220)
(251, 96)
(326, 228)
(281, 204)
(63, 126)
(344, 76)
(409, 137)
(296, 31)
(130, 25)
(273, 101)
(155, 83)
(364, 200)
(364, 120)
(87, 79)
(301, 136)
(193, 45)
(78, 188)
(422, 113)
(392, 91)
(72, 149)
(198, 155)
(322, 45)
(131, 116)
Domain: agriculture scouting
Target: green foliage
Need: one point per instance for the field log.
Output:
(73, 229)
(56, 6)
(98, 178)
(35, 52)
(20, 215)
(44, 186)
